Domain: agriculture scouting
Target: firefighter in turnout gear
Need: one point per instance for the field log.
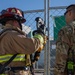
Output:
(14, 45)
(65, 45)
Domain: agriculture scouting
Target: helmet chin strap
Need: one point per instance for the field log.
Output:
(20, 25)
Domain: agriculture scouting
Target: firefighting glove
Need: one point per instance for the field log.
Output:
(38, 36)
(37, 53)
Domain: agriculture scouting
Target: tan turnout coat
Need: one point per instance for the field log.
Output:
(15, 41)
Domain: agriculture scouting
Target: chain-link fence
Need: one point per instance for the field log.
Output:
(56, 22)
(30, 22)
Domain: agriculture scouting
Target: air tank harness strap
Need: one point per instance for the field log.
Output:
(2, 67)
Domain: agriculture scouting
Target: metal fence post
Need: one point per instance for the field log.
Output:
(48, 49)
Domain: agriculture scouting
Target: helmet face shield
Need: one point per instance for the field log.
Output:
(13, 13)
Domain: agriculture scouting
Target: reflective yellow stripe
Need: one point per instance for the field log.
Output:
(19, 57)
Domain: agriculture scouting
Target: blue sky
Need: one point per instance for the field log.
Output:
(32, 4)
(61, 2)
(22, 4)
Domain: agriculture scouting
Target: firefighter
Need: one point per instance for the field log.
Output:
(14, 43)
(65, 45)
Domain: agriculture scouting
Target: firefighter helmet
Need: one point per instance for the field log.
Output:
(12, 13)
